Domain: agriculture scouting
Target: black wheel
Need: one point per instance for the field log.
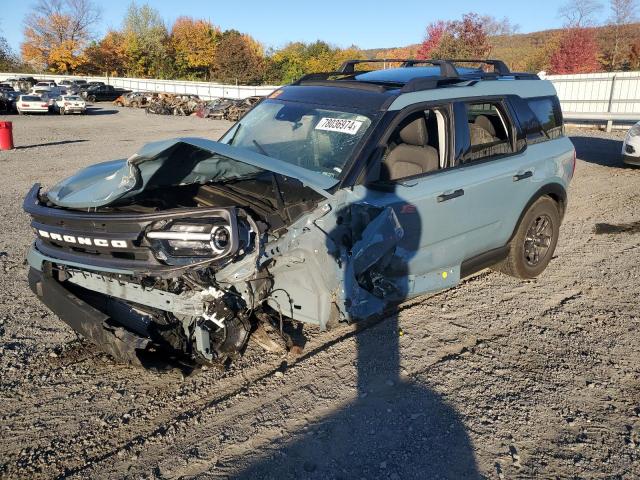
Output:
(91, 98)
(535, 241)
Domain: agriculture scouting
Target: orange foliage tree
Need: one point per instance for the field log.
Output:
(56, 33)
(193, 43)
(108, 56)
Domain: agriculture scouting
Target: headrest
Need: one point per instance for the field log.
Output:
(415, 133)
(485, 123)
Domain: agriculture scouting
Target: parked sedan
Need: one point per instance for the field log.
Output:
(631, 146)
(65, 104)
(31, 104)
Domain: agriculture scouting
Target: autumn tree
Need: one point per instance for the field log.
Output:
(433, 38)
(634, 56)
(146, 42)
(56, 33)
(465, 38)
(623, 15)
(238, 58)
(108, 56)
(577, 52)
(8, 60)
(193, 44)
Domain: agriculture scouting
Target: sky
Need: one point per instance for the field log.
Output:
(365, 23)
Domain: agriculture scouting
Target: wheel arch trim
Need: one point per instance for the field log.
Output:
(555, 191)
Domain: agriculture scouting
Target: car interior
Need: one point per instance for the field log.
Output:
(488, 131)
(418, 146)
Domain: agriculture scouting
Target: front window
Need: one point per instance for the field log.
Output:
(305, 135)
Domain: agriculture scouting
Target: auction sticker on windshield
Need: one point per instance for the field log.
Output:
(339, 125)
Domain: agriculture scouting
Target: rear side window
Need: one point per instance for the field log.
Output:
(489, 131)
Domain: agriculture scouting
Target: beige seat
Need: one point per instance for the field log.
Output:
(413, 156)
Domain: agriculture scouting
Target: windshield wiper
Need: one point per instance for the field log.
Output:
(260, 147)
(234, 134)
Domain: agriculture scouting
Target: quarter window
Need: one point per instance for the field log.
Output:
(547, 111)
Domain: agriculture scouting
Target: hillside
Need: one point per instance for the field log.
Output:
(523, 51)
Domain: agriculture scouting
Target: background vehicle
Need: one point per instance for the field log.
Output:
(77, 86)
(9, 98)
(45, 84)
(49, 97)
(65, 104)
(101, 93)
(631, 146)
(334, 199)
(133, 99)
(31, 104)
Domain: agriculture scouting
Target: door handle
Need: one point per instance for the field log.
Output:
(521, 176)
(448, 196)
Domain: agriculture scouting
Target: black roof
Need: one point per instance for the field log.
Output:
(409, 77)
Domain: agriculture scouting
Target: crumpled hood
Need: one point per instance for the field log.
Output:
(180, 161)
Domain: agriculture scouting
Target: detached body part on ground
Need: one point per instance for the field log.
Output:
(306, 213)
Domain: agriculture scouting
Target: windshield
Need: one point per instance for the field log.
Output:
(75, 99)
(305, 135)
(31, 99)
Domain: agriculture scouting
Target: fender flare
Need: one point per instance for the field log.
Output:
(556, 191)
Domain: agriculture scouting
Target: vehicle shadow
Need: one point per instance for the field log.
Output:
(395, 427)
(602, 151)
(100, 111)
(48, 144)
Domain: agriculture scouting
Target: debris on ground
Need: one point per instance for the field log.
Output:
(227, 109)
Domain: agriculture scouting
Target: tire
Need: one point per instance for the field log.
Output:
(532, 247)
(91, 98)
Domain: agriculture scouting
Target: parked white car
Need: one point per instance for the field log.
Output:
(65, 104)
(31, 104)
(46, 83)
(631, 146)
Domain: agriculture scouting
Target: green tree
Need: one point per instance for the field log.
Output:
(146, 43)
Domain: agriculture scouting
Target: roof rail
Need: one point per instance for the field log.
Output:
(498, 65)
(447, 69)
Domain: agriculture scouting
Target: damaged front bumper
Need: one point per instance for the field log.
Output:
(96, 326)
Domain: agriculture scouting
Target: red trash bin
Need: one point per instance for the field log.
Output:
(6, 136)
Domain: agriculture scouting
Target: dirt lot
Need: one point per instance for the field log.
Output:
(497, 378)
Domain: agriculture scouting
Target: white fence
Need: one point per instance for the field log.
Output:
(205, 90)
(597, 93)
(616, 93)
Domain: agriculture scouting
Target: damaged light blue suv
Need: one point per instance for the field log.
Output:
(334, 199)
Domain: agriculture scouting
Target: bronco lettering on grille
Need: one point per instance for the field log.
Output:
(97, 242)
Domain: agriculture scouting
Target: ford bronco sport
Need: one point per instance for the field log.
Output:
(334, 199)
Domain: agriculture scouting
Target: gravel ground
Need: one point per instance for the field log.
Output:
(497, 378)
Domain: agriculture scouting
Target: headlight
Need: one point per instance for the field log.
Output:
(635, 131)
(193, 238)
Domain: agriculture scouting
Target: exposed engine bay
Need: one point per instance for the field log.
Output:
(193, 267)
